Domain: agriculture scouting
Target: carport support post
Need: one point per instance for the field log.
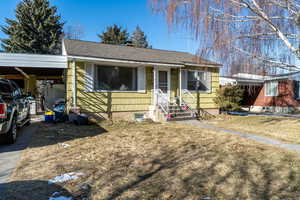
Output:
(74, 84)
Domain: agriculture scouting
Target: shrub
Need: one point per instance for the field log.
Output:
(229, 98)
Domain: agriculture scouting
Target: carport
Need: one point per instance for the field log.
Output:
(30, 70)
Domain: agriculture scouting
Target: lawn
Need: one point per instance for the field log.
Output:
(281, 128)
(152, 161)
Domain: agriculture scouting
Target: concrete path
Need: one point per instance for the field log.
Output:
(261, 139)
(10, 154)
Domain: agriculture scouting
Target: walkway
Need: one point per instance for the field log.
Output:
(260, 139)
(10, 154)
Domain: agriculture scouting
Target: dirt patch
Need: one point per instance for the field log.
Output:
(153, 161)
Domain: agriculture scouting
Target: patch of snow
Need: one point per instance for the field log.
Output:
(64, 145)
(65, 177)
(61, 198)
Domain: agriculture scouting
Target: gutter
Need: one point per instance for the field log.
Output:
(203, 65)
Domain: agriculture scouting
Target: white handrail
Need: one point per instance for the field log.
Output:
(163, 105)
(185, 91)
(194, 100)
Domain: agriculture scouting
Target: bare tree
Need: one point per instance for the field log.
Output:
(75, 32)
(253, 34)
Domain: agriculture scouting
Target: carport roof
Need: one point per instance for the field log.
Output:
(32, 61)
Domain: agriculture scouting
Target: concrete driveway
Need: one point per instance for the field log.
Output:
(10, 154)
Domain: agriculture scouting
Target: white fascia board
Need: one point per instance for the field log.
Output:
(83, 58)
(32, 61)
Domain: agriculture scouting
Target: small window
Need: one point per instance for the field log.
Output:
(198, 79)
(115, 78)
(272, 88)
(297, 89)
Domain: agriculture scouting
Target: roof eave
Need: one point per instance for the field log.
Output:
(203, 65)
(86, 58)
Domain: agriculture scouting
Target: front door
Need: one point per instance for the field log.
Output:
(163, 85)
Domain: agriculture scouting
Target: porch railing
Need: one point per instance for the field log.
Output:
(162, 101)
(188, 99)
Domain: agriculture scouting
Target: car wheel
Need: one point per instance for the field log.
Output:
(12, 133)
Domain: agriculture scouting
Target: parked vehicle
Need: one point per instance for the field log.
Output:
(14, 110)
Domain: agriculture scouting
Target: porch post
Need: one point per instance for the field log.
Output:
(154, 85)
(74, 85)
(180, 89)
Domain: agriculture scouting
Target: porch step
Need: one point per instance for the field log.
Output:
(182, 114)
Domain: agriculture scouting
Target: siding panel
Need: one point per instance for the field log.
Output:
(130, 101)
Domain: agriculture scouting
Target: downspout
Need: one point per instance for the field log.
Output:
(74, 84)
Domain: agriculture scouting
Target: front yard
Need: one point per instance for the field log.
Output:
(280, 128)
(152, 161)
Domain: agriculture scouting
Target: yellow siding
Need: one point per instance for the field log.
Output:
(106, 102)
(112, 101)
(206, 99)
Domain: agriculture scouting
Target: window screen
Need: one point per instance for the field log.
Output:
(115, 78)
(272, 88)
(198, 79)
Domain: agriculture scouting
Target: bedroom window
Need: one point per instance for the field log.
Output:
(198, 79)
(115, 78)
(272, 88)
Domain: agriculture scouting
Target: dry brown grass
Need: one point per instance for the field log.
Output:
(154, 161)
(281, 128)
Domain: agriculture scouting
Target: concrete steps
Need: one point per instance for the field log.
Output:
(178, 113)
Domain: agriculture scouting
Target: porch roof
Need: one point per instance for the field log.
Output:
(78, 48)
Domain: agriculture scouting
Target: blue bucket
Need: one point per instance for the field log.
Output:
(49, 117)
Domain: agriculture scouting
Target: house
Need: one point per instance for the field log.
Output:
(104, 80)
(280, 93)
(272, 93)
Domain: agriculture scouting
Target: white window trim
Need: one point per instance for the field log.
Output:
(200, 91)
(112, 91)
(266, 89)
(298, 98)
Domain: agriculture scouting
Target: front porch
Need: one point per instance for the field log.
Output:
(176, 92)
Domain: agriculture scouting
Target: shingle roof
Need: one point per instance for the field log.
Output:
(107, 51)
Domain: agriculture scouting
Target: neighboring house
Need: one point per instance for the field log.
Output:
(280, 93)
(107, 79)
(273, 93)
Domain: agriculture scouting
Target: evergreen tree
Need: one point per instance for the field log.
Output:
(114, 35)
(37, 29)
(139, 39)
